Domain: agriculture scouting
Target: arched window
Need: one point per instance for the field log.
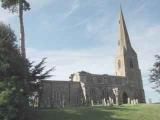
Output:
(77, 100)
(131, 63)
(105, 92)
(119, 64)
(125, 97)
(92, 91)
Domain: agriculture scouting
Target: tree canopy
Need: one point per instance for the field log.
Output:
(19, 78)
(155, 74)
(18, 6)
(12, 99)
(12, 5)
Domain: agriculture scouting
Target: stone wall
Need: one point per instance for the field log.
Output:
(87, 88)
(60, 94)
(98, 87)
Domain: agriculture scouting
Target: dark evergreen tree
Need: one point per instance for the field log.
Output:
(19, 78)
(155, 74)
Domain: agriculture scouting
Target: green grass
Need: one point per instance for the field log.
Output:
(124, 112)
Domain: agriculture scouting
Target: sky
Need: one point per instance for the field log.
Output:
(78, 35)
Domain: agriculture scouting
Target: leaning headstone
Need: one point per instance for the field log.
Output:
(92, 103)
(129, 101)
(62, 103)
(132, 102)
(104, 102)
(110, 100)
(117, 101)
(137, 101)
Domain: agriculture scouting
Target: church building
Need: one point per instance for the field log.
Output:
(86, 88)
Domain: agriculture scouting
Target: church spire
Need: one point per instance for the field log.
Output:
(124, 41)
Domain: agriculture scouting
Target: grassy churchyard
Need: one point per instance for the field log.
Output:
(123, 112)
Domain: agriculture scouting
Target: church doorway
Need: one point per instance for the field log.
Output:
(125, 98)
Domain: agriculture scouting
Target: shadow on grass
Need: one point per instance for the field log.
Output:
(81, 113)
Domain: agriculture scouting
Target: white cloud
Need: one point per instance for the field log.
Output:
(142, 5)
(72, 8)
(85, 21)
(147, 44)
(68, 62)
(72, 5)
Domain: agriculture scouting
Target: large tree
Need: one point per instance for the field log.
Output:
(18, 6)
(155, 74)
(12, 93)
(19, 78)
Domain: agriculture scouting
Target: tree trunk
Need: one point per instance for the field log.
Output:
(22, 33)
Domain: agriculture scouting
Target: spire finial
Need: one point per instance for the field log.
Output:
(121, 11)
(120, 7)
(123, 37)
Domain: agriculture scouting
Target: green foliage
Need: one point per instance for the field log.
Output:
(12, 100)
(18, 6)
(35, 76)
(12, 5)
(19, 78)
(155, 74)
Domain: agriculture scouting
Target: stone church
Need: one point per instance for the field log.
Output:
(85, 88)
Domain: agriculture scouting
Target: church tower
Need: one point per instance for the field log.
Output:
(127, 62)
